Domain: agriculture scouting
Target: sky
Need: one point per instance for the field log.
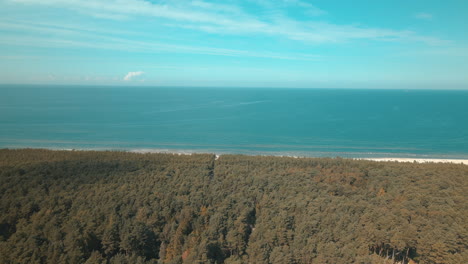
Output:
(236, 43)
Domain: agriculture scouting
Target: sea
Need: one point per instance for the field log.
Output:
(351, 123)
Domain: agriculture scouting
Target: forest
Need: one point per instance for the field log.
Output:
(121, 207)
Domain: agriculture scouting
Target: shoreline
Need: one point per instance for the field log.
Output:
(417, 160)
(380, 159)
(463, 161)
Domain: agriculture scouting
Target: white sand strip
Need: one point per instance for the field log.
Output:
(455, 161)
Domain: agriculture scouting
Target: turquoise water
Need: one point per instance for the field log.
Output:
(298, 122)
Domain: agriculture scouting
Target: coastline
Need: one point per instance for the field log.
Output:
(380, 159)
(218, 154)
(454, 161)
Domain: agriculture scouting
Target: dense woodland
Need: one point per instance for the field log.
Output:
(119, 207)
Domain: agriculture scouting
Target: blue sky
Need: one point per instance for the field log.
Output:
(250, 43)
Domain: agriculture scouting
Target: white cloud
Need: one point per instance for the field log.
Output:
(131, 75)
(424, 16)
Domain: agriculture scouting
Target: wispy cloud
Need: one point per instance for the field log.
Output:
(424, 16)
(28, 34)
(132, 75)
(233, 19)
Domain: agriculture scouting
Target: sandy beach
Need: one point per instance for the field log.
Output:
(418, 160)
(455, 161)
(217, 155)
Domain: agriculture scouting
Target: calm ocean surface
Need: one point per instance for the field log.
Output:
(297, 122)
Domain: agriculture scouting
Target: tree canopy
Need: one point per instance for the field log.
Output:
(120, 207)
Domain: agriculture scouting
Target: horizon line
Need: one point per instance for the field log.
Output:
(231, 87)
